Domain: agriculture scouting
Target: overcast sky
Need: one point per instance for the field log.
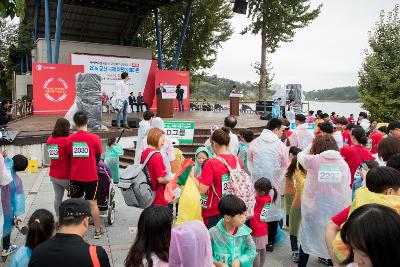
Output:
(326, 54)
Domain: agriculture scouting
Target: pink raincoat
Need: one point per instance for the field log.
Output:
(301, 137)
(326, 192)
(190, 246)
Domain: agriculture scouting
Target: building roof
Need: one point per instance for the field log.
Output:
(100, 21)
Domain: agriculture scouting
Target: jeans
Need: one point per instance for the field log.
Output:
(180, 105)
(303, 259)
(272, 231)
(141, 106)
(60, 186)
(123, 113)
(6, 241)
(293, 243)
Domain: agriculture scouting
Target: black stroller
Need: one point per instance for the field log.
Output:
(106, 194)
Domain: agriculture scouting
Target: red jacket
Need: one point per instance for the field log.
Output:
(259, 228)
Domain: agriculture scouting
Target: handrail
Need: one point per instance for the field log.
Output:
(21, 109)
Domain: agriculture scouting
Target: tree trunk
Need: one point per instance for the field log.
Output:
(262, 86)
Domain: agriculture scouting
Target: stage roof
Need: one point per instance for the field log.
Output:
(98, 21)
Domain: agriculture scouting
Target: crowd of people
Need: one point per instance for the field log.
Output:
(333, 187)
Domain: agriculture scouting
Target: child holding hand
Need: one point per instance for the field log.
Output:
(258, 223)
(230, 238)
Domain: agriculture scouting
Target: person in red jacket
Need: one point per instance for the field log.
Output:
(258, 223)
(57, 149)
(85, 150)
(357, 153)
(376, 138)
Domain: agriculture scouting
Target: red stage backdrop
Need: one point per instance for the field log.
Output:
(54, 87)
(170, 79)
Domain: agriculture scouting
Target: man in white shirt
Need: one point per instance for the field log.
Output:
(364, 122)
(122, 93)
(301, 137)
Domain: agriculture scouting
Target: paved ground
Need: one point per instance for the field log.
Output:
(120, 236)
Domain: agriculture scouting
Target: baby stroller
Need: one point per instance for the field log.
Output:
(106, 194)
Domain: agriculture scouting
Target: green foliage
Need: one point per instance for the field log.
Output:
(12, 8)
(214, 88)
(380, 74)
(209, 27)
(15, 40)
(277, 21)
(348, 93)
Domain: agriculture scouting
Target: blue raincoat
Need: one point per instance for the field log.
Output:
(12, 198)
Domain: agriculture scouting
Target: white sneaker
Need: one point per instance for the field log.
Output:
(9, 251)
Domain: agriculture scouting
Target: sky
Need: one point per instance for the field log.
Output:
(326, 54)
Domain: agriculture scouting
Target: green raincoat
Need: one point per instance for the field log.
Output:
(112, 160)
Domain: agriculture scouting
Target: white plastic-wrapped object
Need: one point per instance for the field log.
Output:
(326, 192)
(268, 157)
(88, 99)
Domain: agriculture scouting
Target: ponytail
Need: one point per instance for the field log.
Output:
(275, 194)
(40, 228)
(359, 134)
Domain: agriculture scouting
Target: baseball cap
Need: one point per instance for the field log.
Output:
(74, 207)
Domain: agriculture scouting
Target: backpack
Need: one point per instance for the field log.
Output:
(135, 185)
(240, 184)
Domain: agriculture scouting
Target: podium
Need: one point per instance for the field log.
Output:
(165, 107)
(234, 103)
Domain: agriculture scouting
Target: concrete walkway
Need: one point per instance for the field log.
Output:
(118, 237)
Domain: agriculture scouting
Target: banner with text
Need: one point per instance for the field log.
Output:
(54, 87)
(141, 72)
(181, 130)
(170, 79)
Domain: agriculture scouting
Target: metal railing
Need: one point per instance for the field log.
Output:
(21, 109)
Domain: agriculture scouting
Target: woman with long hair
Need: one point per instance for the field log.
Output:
(326, 192)
(57, 148)
(151, 246)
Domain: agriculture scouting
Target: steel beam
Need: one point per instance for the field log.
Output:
(60, 6)
(47, 29)
(183, 33)
(36, 21)
(158, 35)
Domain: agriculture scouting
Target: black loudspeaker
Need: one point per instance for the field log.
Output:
(240, 7)
(132, 122)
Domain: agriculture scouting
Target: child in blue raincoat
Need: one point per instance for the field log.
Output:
(12, 200)
(113, 151)
(276, 109)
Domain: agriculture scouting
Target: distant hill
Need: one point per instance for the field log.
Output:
(214, 88)
(349, 93)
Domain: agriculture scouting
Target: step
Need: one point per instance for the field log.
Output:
(127, 159)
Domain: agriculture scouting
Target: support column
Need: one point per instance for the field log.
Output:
(60, 6)
(36, 22)
(183, 33)
(158, 35)
(47, 29)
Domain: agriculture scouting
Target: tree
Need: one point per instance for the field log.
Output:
(209, 27)
(8, 39)
(11, 8)
(380, 74)
(277, 20)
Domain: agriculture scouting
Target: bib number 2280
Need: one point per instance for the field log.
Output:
(80, 150)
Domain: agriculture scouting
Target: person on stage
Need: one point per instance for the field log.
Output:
(179, 96)
(121, 90)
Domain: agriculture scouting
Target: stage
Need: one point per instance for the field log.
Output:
(35, 129)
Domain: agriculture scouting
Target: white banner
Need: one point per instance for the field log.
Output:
(110, 68)
(169, 91)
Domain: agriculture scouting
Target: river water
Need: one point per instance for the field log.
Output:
(342, 109)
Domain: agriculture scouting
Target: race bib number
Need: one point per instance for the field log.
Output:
(203, 201)
(224, 258)
(52, 150)
(264, 212)
(225, 184)
(329, 174)
(80, 150)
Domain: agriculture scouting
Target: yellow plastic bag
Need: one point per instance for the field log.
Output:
(189, 204)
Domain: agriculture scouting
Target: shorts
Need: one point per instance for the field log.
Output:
(260, 241)
(79, 189)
